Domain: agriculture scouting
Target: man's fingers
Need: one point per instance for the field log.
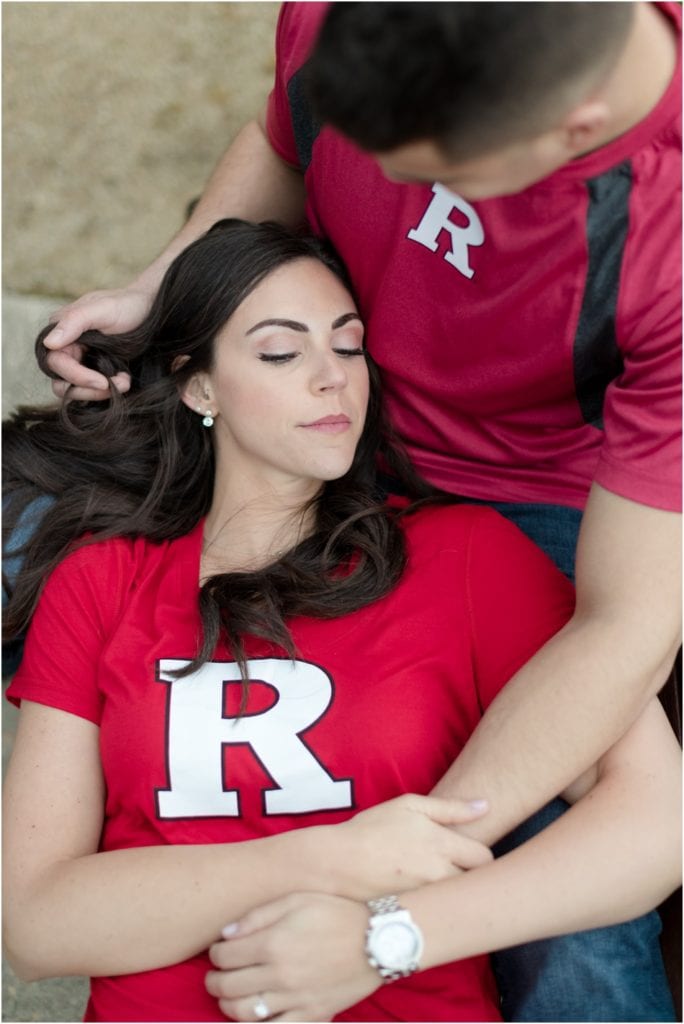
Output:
(79, 382)
(66, 365)
(445, 811)
(68, 328)
(91, 313)
(468, 853)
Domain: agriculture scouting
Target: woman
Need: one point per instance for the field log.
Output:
(249, 648)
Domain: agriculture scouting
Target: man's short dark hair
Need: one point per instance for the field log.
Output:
(471, 77)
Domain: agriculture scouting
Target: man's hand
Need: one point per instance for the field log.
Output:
(111, 312)
(303, 956)
(404, 843)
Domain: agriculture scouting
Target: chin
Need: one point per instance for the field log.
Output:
(333, 472)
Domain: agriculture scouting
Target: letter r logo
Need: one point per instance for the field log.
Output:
(198, 731)
(436, 219)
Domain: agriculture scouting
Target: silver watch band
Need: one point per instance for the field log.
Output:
(384, 905)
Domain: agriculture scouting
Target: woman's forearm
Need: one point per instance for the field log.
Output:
(69, 909)
(137, 909)
(159, 905)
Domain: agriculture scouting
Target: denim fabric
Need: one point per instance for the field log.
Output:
(607, 974)
(553, 528)
(11, 566)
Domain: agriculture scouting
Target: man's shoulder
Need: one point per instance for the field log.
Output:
(298, 28)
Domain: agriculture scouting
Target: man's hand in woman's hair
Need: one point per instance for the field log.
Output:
(112, 312)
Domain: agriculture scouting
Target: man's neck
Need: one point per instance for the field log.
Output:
(643, 72)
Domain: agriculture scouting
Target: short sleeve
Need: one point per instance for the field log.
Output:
(517, 600)
(641, 456)
(71, 625)
(296, 32)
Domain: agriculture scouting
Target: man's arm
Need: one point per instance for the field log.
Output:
(251, 182)
(582, 691)
(614, 855)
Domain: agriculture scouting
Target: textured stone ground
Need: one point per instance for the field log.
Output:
(114, 115)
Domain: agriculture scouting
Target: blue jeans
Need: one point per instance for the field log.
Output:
(606, 974)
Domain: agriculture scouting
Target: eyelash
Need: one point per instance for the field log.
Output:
(286, 357)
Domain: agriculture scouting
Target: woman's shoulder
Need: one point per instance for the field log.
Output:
(477, 535)
(116, 561)
(452, 525)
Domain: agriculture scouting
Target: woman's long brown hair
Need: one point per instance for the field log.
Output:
(142, 465)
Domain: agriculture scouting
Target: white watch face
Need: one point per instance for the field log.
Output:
(395, 944)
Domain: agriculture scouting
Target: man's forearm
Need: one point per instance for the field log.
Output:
(581, 692)
(553, 720)
(250, 182)
(613, 856)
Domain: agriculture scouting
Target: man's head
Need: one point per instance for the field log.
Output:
(472, 94)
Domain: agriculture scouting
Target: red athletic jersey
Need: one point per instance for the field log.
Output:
(377, 704)
(531, 343)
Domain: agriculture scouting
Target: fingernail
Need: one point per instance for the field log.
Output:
(479, 805)
(230, 930)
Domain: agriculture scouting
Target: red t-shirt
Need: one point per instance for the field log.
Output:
(378, 703)
(530, 343)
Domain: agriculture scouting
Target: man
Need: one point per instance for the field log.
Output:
(502, 181)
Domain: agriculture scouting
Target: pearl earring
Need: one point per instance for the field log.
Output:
(208, 419)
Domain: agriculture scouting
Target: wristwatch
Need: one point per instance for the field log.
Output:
(394, 942)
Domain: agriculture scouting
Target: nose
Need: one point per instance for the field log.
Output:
(329, 375)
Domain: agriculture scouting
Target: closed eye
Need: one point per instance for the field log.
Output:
(284, 357)
(346, 352)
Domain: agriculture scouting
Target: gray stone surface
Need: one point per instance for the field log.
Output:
(60, 999)
(22, 318)
(114, 115)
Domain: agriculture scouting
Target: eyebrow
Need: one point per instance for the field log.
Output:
(295, 325)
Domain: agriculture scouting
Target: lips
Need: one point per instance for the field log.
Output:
(336, 424)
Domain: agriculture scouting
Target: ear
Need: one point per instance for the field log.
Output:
(195, 391)
(585, 125)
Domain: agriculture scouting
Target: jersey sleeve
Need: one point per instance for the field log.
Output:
(641, 456)
(296, 32)
(69, 630)
(517, 600)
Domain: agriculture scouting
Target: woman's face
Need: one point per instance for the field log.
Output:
(289, 384)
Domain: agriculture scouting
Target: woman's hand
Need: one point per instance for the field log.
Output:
(405, 843)
(302, 956)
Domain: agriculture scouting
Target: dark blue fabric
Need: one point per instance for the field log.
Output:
(11, 566)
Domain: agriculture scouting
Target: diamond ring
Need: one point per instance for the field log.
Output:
(261, 1010)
